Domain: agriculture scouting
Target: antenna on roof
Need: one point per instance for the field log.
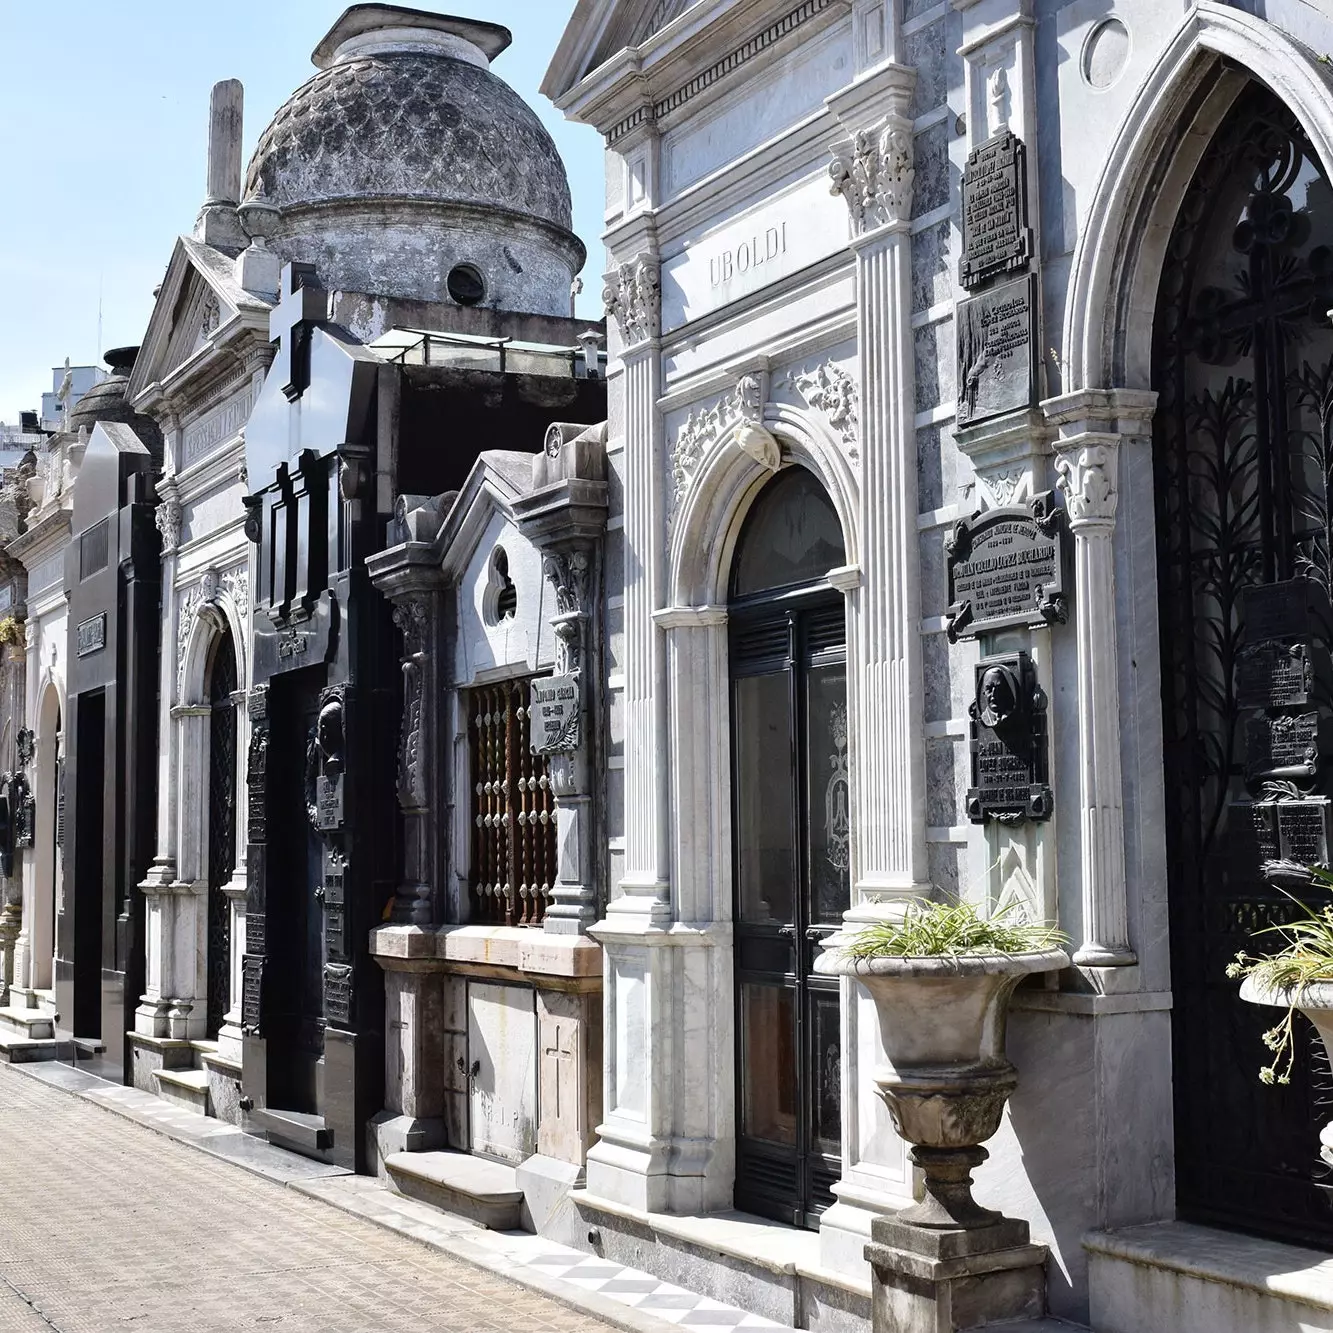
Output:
(99, 314)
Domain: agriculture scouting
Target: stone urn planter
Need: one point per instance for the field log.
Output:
(942, 1021)
(1315, 1001)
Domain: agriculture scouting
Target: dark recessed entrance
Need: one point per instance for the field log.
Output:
(792, 836)
(1244, 485)
(221, 825)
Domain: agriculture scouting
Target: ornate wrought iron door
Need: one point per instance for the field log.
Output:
(1243, 354)
(792, 831)
(221, 827)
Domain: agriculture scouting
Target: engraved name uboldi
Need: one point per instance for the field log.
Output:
(996, 235)
(753, 252)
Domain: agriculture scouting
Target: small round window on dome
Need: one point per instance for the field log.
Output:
(465, 284)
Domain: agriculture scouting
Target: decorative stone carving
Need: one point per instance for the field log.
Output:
(831, 389)
(234, 582)
(633, 298)
(874, 172)
(744, 406)
(169, 515)
(1087, 480)
(409, 615)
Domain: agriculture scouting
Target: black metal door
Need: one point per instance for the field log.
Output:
(789, 719)
(1243, 354)
(221, 827)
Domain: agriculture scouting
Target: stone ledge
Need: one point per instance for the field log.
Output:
(1088, 1004)
(785, 1251)
(1140, 1274)
(524, 950)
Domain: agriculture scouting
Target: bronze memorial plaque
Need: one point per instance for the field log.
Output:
(1006, 569)
(997, 351)
(996, 236)
(1010, 772)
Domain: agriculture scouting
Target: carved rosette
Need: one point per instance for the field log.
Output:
(874, 172)
(633, 298)
(410, 616)
(1087, 478)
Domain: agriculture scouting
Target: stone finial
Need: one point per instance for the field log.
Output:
(874, 172)
(217, 224)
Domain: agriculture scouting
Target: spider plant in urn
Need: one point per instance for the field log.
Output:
(1298, 976)
(941, 979)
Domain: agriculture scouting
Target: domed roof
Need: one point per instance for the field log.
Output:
(406, 108)
(106, 401)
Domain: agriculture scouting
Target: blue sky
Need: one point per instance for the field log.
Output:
(103, 134)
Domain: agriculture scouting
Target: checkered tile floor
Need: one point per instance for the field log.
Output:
(631, 1287)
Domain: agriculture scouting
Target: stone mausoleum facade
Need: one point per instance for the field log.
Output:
(519, 707)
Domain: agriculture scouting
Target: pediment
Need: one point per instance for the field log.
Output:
(496, 480)
(599, 29)
(198, 296)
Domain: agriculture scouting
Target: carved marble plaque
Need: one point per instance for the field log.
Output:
(1007, 569)
(1010, 778)
(997, 351)
(554, 714)
(996, 235)
(1287, 747)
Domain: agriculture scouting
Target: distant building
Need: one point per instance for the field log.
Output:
(68, 385)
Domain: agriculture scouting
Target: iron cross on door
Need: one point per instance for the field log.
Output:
(302, 305)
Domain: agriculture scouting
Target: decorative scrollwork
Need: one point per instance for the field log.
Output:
(874, 172)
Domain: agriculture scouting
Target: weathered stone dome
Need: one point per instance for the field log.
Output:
(405, 135)
(106, 401)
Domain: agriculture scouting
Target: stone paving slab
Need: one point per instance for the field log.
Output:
(602, 1293)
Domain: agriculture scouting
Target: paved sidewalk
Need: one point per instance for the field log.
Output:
(104, 1225)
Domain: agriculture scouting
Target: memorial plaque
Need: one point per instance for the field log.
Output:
(252, 990)
(329, 801)
(333, 879)
(1249, 837)
(1293, 609)
(1303, 830)
(997, 351)
(256, 933)
(1281, 673)
(1287, 747)
(1007, 569)
(338, 994)
(554, 714)
(335, 935)
(91, 635)
(996, 235)
(1010, 778)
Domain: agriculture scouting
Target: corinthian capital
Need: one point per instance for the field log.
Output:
(874, 172)
(1086, 469)
(633, 298)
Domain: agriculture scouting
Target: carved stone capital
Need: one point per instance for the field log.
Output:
(1087, 473)
(633, 298)
(169, 516)
(874, 171)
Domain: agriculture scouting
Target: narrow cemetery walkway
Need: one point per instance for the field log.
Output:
(105, 1224)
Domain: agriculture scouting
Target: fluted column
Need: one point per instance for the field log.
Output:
(634, 301)
(874, 171)
(1087, 467)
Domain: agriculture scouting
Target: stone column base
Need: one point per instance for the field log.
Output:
(946, 1281)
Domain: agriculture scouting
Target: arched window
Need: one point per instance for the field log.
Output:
(792, 830)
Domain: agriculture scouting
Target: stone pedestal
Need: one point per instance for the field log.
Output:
(941, 1281)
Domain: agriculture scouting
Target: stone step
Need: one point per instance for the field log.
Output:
(482, 1191)
(16, 1050)
(300, 1131)
(185, 1087)
(24, 1022)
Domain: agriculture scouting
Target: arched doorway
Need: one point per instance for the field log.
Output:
(792, 838)
(1243, 365)
(221, 825)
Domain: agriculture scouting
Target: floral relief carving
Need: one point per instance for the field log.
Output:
(1005, 486)
(169, 516)
(633, 298)
(704, 426)
(234, 582)
(831, 390)
(410, 616)
(874, 172)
